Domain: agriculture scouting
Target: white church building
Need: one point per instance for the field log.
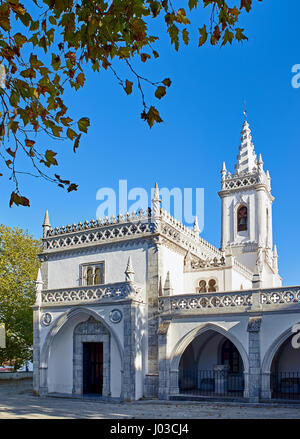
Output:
(141, 306)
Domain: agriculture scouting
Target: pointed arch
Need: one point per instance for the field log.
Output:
(191, 335)
(273, 349)
(58, 325)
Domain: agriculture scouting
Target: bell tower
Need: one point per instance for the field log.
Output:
(247, 212)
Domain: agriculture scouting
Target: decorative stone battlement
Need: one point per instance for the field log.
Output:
(91, 232)
(187, 237)
(244, 181)
(108, 292)
(270, 299)
(138, 224)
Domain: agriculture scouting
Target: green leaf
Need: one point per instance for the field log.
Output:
(167, 82)
(228, 37)
(71, 133)
(20, 39)
(128, 87)
(160, 92)
(83, 124)
(50, 158)
(18, 200)
(192, 4)
(239, 34)
(203, 35)
(80, 79)
(151, 116)
(185, 36)
(72, 187)
(76, 143)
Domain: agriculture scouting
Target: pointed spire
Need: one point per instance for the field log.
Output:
(46, 224)
(275, 258)
(260, 163)
(156, 202)
(38, 288)
(168, 290)
(246, 160)
(129, 272)
(196, 226)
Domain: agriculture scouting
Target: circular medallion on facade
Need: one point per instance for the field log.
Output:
(115, 316)
(46, 318)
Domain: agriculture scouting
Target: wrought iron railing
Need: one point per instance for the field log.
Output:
(285, 385)
(211, 382)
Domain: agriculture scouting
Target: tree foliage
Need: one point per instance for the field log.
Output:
(18, 271)
(46, 45)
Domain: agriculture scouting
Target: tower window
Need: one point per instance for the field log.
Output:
(92, 274)
(242, 218)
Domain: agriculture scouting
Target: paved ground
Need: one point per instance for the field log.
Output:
(25, 405)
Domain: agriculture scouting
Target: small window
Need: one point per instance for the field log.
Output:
(242, 219)
(92, 274)
(207, 286)
(212, 286)
(202, 286)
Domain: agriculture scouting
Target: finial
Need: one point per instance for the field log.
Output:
(46, 224)
(156, 196)
(275, 252)
(245, 111)
(196, 226)
(156, 202)
(129, 272)
(168, 290)
(46, 219)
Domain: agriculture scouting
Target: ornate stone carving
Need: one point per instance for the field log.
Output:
(115, 316)
(46, 318)
(254, 324)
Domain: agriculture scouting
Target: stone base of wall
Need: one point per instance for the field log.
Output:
(151, 386)
(16, 382)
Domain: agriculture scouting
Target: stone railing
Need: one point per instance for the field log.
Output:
(115, 291)
(267, 299)
(186, 237)
(242, 269)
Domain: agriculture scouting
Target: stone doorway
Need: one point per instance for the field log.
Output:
(93, 368)
(91, 358)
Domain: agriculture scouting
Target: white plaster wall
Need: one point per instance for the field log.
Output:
(239, 279)
(192, 279)
(173, 262)
(228, 279)
(60, 367)
(64, 270)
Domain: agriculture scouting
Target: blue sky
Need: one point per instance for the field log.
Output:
(202, 115)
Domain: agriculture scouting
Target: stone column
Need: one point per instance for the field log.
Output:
(174, 385)
(153, 284)
(128, 390)
(261, 218)
(225, 222)
(254, 375)
(221, 378)
(266, 385)
(163, 361)
(36, 351)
